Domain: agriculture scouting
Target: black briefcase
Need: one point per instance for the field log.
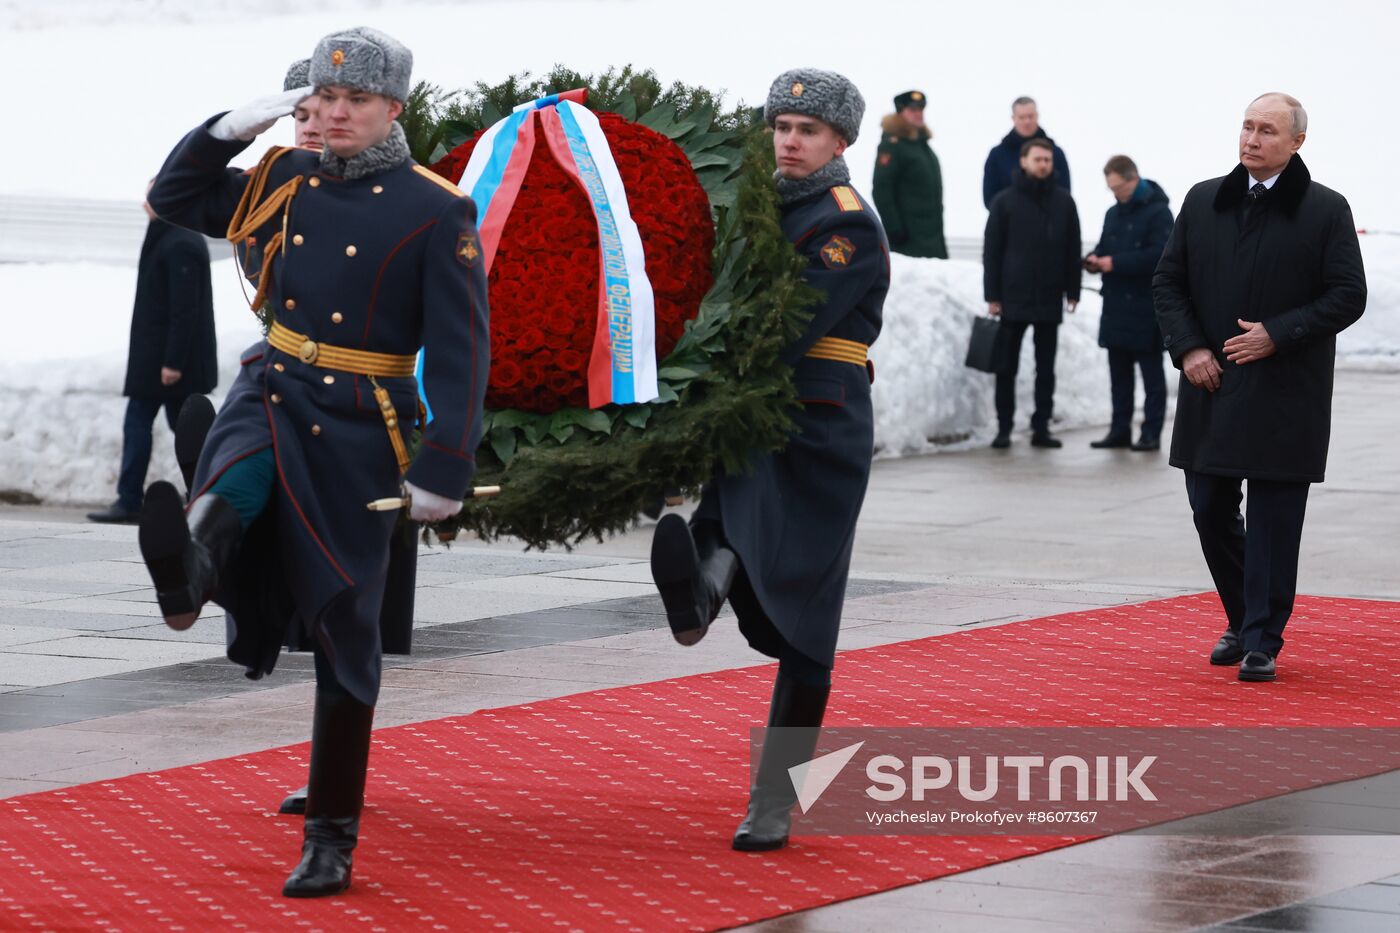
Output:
(984, 350)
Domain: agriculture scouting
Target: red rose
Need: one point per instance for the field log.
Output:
(505, 373)
(544, 279)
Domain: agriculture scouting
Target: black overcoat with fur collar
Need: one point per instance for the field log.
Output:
(1290, 260)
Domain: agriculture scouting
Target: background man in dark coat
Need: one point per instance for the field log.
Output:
(171, 355)
(908, 186)
(1135, 232)
(1262, 270)
(1030, 267)
(1004, 161)
(776, 540)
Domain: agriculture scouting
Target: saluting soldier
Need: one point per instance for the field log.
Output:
(908, 185)
(776, 541)
(307, 113)
(364, 257)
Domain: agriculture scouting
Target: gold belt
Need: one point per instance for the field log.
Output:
(359, 362)
(842, 351)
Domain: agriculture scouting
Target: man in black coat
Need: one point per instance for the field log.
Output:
(1030, 269)
(1135, 232)
(1262, 270)
(1004, 160)
(776, 540)
(171, 355)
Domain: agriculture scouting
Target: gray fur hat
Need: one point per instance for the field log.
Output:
(298, 75)
(826, 95)
(364, 59)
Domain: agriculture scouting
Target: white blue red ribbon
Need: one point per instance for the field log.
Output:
(622, 367)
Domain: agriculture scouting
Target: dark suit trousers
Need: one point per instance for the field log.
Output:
(1046, 337)
(1253, 559)
(1154, 386)
(136, 446)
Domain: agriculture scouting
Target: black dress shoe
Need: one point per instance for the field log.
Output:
(1148, 442)
(1112, 441)
(115, 514)
(1002, 440)
(1227, 650)
(294, 803)
(1045, 439)
(1257, 666)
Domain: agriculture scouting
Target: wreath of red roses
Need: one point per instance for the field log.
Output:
(544, 280)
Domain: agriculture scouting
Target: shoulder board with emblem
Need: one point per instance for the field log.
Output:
(438, 180)
(846, 198)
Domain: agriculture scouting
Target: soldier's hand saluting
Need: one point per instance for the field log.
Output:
(257, 116)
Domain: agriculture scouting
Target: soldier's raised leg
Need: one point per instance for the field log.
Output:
(693, 569)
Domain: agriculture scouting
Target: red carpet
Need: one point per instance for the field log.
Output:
(613, 810)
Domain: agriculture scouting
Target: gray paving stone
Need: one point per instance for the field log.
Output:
(65, 620)
(947, 542)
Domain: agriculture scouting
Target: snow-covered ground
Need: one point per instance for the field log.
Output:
(62, 363)
(117, 82)
(120, 81)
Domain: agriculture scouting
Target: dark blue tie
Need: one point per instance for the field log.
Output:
(1258, 191)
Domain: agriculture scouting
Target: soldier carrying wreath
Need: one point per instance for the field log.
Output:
(776, 540)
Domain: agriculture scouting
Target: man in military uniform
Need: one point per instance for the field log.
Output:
(908, 186)
(776, 541)
(365, 257)
(307, 113)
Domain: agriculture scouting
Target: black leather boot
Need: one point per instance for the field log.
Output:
(294, 803)
(693, 571)
(340, 736)
(798, 709)
(191, 428)
(186, 554)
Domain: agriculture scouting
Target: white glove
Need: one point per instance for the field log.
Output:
(429, 506)
(256, 117)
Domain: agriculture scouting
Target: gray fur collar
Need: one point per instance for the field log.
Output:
(829, 175)
(380, 157)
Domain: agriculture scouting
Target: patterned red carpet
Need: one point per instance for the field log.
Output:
(613, 810)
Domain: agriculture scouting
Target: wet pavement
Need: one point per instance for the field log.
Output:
(93, 685)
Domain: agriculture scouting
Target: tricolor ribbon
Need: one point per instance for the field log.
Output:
(622, 367)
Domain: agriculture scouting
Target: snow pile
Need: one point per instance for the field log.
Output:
(62, 367)
(1373, 342)
(924, 395)
(61, 375)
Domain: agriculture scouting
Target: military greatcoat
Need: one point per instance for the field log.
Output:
(908, 189)
(792, 518)
(386, 263)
